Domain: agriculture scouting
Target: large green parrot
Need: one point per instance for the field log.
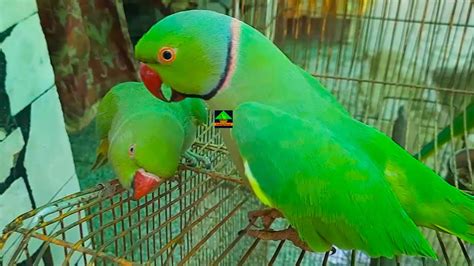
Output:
(337, 181)
(143, 137)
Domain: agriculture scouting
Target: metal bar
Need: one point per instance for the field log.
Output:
(249, 252)
(326, 259)
(160, 210)
(300, 258)
(115, 229)
(464, 251)
(393, 83)
(188, 221)
(411, 21)
(211, 232)
(69, 245)
(24, 242)
(277, 251)
(443, 248)
(115, 220)
(353, 257)
(230, 247)
(195, 222)
(174, 217)
(215, 175)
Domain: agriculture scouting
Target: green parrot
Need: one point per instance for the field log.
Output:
(143, 137)
(461, 123)
(336, 180)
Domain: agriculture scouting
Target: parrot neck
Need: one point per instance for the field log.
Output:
(258, 71)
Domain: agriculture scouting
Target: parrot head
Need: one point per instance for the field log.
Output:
(145, 151)
(190, 51)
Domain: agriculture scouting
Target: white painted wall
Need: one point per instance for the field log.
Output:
(30, 91)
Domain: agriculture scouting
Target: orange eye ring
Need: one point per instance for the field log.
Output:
(166, 55)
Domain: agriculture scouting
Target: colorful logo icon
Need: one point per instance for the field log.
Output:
(223, 119)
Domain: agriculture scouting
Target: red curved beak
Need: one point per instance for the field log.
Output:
(144, 183)
(153, 83)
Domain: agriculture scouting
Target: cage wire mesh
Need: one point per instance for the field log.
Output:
(404, 67)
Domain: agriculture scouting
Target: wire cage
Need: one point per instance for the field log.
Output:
(404, 67)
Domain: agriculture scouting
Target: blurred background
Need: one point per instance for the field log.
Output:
(405, 67)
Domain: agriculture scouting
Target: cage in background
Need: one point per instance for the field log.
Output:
(405, 67)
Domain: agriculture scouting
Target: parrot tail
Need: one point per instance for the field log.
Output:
(458, 215)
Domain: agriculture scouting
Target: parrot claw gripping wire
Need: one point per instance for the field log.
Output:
(286, 234)
(267, 216)
(193, 160)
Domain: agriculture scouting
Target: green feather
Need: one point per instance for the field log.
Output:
(332, 192)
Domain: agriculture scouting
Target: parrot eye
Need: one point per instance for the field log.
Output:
(166, 55)
(131, 151)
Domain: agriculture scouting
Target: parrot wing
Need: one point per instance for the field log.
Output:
(105, 114)
(330, 191)
(121, 101)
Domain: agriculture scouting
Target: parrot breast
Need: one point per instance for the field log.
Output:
(255, 186)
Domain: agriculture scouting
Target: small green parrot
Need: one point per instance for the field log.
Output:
(461, 123)
(336, 180)
(143, 137)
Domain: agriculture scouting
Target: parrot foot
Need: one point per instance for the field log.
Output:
(267, 215)
(193, 160)
(286, 234)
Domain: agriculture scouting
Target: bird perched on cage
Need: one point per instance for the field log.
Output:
(336, 180)
(144, 138)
